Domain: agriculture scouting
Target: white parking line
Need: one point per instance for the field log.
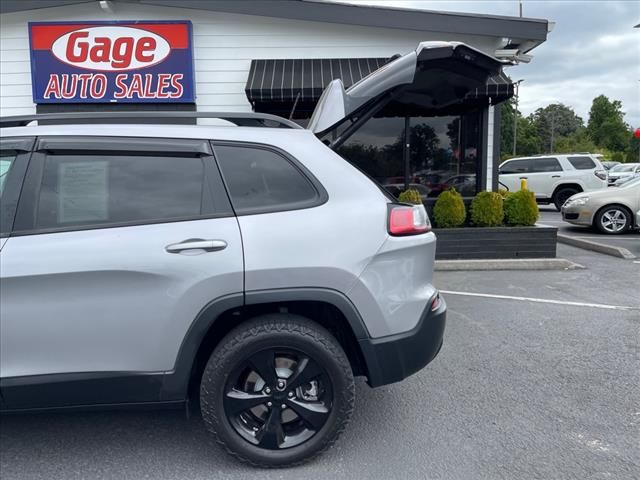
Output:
(541, 300)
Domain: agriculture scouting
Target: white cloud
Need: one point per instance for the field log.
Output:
(592, 50)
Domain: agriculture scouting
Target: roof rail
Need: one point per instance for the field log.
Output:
(249, 119)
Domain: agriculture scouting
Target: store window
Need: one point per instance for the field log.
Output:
(377, 149)
(443, 152)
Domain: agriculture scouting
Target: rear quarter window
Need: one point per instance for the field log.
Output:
(261, 180)
(582, 163)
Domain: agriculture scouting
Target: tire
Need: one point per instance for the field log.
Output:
(318, 389)
(612, 220)
(562, 195)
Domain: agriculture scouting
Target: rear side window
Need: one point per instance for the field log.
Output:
(94, 189)
(582, 163)
(544, 164)
(516, 166)
(262, 180)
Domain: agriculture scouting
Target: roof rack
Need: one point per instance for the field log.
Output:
(248, 119)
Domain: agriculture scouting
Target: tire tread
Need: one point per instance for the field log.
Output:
(254, 329)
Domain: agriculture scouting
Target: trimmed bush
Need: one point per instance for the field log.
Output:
(520, 208)
(410, 196)
(487, 210)
(449, 211)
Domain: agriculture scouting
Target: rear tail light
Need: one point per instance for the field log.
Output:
(408, 220)
(601, 174)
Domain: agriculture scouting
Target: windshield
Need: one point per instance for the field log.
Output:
(630, 182)
(622, 168)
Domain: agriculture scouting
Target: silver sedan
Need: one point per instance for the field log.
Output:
(610, 210)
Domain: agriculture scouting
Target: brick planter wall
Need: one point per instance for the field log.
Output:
(495, 242)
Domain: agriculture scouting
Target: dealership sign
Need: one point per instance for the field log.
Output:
(131, 61)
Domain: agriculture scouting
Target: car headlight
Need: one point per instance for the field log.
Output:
(576, 202)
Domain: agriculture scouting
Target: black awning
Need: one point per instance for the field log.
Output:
(286, 86)
(499, 88)
(303, 79)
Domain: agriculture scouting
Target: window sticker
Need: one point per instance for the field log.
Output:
(83, 194)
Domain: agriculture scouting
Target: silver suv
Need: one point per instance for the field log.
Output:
(246, 269)
(250, 271)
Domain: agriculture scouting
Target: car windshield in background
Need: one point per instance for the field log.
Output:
(623, 168)
(630, 182)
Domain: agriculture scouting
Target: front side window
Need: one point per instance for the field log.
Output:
(515, 166)
(261, 180)
(582, 163)
(95, 189)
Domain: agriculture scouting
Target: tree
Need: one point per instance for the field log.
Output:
(553, 121)
(606, 125)
(527, 142)
(633, 152)
(578, 141)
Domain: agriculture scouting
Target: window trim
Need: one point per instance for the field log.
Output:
(15, 179)
(25, 218)
(320, 198)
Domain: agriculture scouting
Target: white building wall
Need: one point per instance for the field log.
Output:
(224, 45)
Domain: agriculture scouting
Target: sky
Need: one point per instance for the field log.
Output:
(592, 50)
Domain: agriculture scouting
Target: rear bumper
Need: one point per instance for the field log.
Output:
(393, 358)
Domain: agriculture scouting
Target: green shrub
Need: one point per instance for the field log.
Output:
(449, 211)
(487, 210)
(520, 208)
(410, 196)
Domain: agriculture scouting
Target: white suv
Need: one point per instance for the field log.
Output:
(554, 178)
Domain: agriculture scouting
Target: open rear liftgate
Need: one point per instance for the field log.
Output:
(434, 77)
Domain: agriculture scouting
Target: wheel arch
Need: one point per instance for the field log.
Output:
(562, 186)
(329, 308)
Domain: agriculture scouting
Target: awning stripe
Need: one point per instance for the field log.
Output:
(282, 80)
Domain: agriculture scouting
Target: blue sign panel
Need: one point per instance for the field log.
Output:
(111, 62)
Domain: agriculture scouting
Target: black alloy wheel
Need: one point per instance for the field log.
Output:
(278, 398)
(277, 391)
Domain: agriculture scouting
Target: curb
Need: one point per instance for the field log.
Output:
(619, 252)
(506, 264)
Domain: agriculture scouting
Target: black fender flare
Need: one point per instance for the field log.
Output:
(176, 382)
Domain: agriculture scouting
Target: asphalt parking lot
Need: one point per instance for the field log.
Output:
(521, 390)
(629, 240)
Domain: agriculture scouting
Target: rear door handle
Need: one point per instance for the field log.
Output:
(196, 244)
(555, 176)
(523, 178)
